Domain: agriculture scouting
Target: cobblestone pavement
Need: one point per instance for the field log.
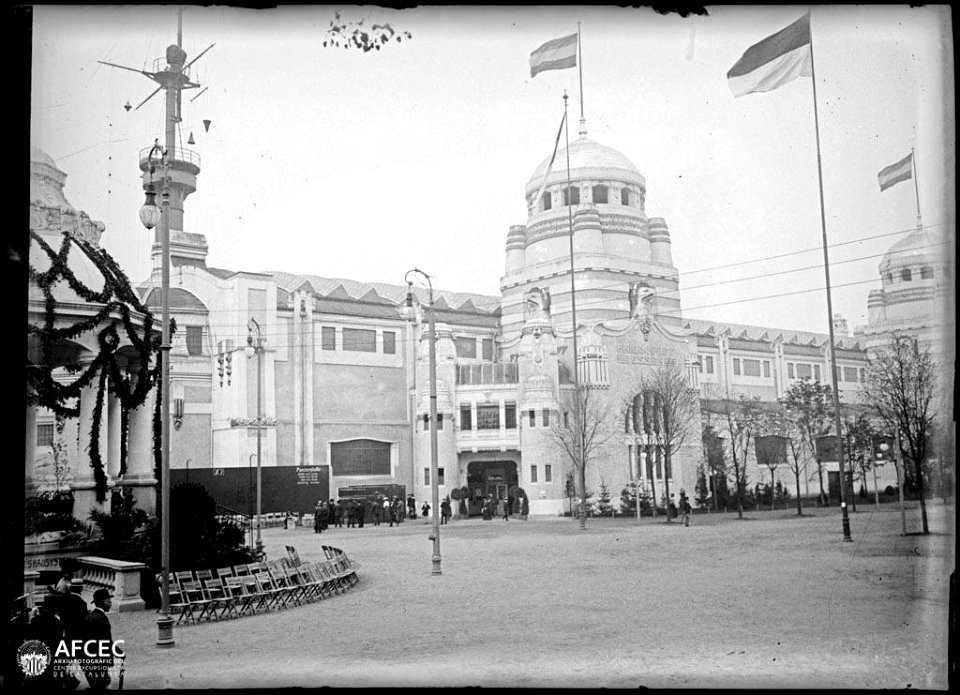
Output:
(771, 601)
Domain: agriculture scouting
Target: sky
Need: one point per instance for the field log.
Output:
(339, 163)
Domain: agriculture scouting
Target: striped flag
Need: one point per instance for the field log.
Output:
(775, 61)
(554, 55)
(546, 175)
(895, 173)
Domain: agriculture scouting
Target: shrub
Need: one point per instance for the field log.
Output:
(50, 511)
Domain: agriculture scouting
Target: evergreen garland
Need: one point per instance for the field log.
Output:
(116, 297)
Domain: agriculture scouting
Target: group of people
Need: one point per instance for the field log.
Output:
(62, 616)
(503, 508)
(355, 512)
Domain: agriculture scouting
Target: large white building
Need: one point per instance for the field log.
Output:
(345, 387)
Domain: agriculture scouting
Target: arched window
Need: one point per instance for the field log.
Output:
(926, 273)
(624, 196)
(600, 193)
(546, 202)
(906, 275)
(571, 196)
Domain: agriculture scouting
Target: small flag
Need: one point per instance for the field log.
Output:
(536, 201)
(773, 62)
(895, 173)
(554, 55)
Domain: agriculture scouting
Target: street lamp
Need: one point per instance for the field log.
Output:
(434, 477)
(150, 216)
(253, 328)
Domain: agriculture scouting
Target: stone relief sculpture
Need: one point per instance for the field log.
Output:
(640, 295)
(537, 304)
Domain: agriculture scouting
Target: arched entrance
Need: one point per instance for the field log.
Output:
(484, 478)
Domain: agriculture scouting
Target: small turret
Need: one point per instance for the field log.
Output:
(660, 251)
(516, 243)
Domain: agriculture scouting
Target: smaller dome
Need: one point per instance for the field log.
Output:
(918, 247)
(40, 157)
(586, 154)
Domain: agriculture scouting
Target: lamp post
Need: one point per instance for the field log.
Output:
(150, 215)
(255, 340)
(641, 468)
(434, 481)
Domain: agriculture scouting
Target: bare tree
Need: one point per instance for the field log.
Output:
(783, 424)
(714, 455)
(666, 409)
(742, 419)
(901, 387)
(859, 434)
(580, 433)
(810, 405)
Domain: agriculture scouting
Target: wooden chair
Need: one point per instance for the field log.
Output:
(242, 601)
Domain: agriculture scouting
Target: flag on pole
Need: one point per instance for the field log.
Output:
(773, 62)
(554, 55)
(546, 175)
(895, 173)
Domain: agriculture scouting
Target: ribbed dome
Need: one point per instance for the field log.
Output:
(918, 247)
(586, 154)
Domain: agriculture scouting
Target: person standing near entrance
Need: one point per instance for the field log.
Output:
(388, 510)
(425, 510)
(445, 510)
(524, 507)
(361, 512)
(376, 508)
(96, 627)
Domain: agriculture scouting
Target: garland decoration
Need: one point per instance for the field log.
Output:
(116, 299)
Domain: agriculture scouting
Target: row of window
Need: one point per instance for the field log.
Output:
(467, 348)
(795, 370)
(488, 418)
(906, 275)
(357, 340)
(547, 473)
(571, 196)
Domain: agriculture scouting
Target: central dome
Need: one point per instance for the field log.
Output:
(920, 246)
(586, 154)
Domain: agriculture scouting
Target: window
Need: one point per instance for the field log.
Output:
(736, 366)
(548, 473)
(566, 419)
(440, 477)
(546, 418)
(906, 275)
(426, 423)
(571, 196)
(488, 349)
(751, 367)
(439, 422)
(533, 473)
(194, 340)
(466, 347)
(45, 434)
(790, 372)
(888, 278)
(389, 343)
(426, 476)
(766, 369)
(510, 416)
(709, 364)
(816, 372)
(624, 196)
(488, 417)
(803, 371)
(466, 419)
(600, 194)
(359, 340)
(850, 374)
(863, 375)
(546, 202)
(328, 338)
(926, 273)
(360, 457)
(532, 414)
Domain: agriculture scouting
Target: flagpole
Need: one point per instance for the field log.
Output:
(583, 120)
(916, 186)
(826, 272)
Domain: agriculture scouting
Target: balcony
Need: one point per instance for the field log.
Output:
(180, 158)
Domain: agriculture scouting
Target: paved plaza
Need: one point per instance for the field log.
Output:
(771, 601)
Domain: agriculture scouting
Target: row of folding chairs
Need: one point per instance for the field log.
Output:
(256, 588)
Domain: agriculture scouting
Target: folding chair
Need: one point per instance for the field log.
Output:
(242, 602)
(273, 596)
(225, 572)
(293, 555)
(240, 570)
(328, 551)
(299, 588)
(258, 600)
(288, 592)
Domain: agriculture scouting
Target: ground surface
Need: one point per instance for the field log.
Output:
(771, 601)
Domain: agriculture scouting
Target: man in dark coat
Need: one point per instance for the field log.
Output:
(361, 512)
(96, 627)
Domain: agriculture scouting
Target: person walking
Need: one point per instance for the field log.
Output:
(398, 509)
(316, 517)
(96, 628)
(339, 510)
(361, 512)
(412, 507)
(445, 510)
(376, 510)
(388, 510)
(502, 509)
(685, 508)
(425, 510)
(524, 507)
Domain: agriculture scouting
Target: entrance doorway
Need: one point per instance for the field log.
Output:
(490, 478)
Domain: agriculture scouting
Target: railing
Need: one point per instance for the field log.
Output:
(179, 154)
(121, 578)
(490, 373)
(233, 516)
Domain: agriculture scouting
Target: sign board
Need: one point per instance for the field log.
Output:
(283, 488)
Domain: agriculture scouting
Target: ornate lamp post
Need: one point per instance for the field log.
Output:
(150, 215)
(432, 337)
